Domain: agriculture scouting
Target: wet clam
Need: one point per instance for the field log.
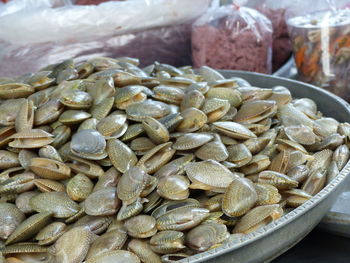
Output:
(79, 187)
(239, 197)
(141, 226)
(258, 217)
(49, 168)
(10, 218)
(76, 99)
(22, 201)
(131, 185)
(143, 250)
(205, 236)
(255, 111)
(102, 202)
(138, 111)
(57, 203)
(104, 161)
(29, 227)
(166, 242)
(89, 144)
(111, 240)
(209, 175)
(49, 234)
(34, 138)
(117, 256)
(8, 159)
(63, 249)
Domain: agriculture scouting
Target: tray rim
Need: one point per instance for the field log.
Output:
(294, 214)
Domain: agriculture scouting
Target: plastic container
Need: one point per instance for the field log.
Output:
(321, 44)
(232, 37)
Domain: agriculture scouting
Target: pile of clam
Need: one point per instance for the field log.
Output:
(107, 162)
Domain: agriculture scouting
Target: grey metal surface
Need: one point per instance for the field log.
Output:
(288, 70)
(282, 234)
(337, 220)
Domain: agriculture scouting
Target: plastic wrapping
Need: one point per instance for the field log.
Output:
(91, 2)
(321, 43)
(34, 34)
(232, 37)
(275, 11)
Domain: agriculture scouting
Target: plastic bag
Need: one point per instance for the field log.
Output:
(321, 41)
(232, 37)
(92, 2)
(281, 44)
(33, 35)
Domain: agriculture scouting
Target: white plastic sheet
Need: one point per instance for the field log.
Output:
(35, 33)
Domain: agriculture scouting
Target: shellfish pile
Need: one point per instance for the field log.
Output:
(107, 162)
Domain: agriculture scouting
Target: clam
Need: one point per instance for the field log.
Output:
(10, 217)
(110, 125)
(56, 203)
(215, 108)
(138, 111)
(49, 168)
(239, 154)
(89, 144)
(175, 187)
(234, 130)
(258, 217)
(79, 187)
(190, 141)
(109, 241)
(255, 111)
(169, 241)
(192, 99)
(49, 234)
(193, 120)
(73, 245)
(96, 224)
(156, 157)
(141, 226)
(205, 236)
(29, 227)
(49, 152)
(25, 116)
(71, 117)
(131, 185)
(122, 157)
(22, 201)
(34, 138)
(76, 99)
(155, 130)
(102, 202)
(116, 256)
(15, 90)
(8, 159)
(143, 250)
(214, 150)
(209, 175)
(48, 112)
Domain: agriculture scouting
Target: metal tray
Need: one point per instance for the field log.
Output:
(337, 220)
(274, 239)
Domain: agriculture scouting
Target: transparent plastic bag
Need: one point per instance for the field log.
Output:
(232, 37)
(34, 34)
(92, 2)
(320, 34)
(281, 44)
